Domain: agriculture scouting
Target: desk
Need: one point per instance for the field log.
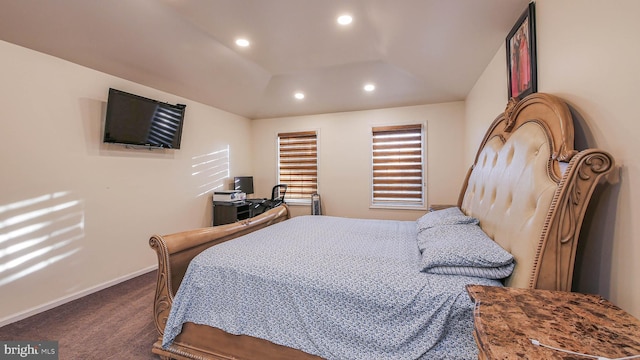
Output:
(230, 212)
(505, 319)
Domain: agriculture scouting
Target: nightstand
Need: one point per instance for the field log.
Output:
(506, 320)
(437, 207)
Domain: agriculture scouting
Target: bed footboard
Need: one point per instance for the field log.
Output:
(175, 252)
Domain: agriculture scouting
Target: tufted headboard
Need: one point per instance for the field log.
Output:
(530, 189)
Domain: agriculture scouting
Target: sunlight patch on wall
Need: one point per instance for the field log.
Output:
(38, 232)
(35, 267)
(211, 169)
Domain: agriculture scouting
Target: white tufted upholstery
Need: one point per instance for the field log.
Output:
(510, 191)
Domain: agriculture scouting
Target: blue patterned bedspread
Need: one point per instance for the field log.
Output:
(335, 287)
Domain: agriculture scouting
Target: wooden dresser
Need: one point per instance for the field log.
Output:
(506, 320)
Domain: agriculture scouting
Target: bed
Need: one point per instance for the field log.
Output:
(526, 192)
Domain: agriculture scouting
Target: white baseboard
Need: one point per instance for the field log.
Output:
(38, 309)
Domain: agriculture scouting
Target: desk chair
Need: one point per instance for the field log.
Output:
(277, 198)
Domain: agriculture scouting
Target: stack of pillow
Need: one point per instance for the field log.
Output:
(453, 243)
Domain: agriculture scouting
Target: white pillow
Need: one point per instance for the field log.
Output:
(463, 249)
(496, 273)
(448, 216)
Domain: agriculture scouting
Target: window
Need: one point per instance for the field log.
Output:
(397, 166)
(298, 165)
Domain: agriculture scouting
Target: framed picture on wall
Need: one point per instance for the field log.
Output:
(521, 56)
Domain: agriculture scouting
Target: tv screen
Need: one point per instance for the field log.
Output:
(244, 184)
(136, 120)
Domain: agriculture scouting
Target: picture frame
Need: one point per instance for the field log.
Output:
(522, 78)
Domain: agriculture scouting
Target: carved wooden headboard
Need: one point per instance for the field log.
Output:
(530, 189)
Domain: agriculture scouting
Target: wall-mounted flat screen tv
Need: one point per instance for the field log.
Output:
(136, 120)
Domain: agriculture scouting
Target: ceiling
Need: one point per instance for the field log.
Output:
(414, 51)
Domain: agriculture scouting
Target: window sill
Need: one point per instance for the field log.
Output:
(298, 203)
(399, 207)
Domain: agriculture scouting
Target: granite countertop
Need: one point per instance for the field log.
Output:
(506, 319)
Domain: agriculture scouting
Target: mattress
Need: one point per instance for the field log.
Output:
(334, 287)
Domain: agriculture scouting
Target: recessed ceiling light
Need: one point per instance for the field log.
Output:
(345, 19)
(299, 95)
(369, 87)
(242, 42)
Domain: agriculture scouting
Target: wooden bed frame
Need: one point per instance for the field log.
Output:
(528, 186)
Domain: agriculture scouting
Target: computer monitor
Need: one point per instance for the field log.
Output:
(244, 184)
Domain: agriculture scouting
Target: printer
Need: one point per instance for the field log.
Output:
(229, 196)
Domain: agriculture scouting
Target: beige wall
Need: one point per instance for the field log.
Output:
(588, 54)
(345, 156)
(85, 210)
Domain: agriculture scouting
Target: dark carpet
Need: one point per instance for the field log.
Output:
(114, 323)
